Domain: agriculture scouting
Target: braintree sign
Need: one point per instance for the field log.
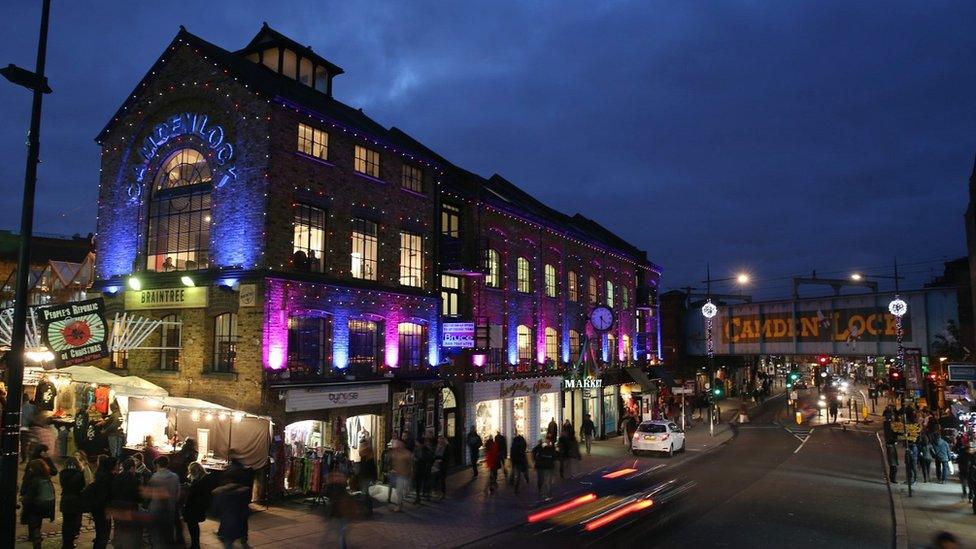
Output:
(458, 335)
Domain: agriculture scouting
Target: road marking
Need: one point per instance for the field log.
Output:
(802, 440)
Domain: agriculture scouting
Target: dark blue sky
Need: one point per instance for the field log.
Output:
(776, 137)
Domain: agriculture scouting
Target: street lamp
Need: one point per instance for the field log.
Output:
(709, 310)
(856, 277)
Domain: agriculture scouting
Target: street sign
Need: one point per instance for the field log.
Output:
(962, 372)
(683, 391)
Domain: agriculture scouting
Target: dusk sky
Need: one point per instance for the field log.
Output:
(775, 137)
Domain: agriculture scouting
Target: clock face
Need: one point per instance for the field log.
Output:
(601, 318)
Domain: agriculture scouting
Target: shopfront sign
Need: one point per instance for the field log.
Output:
(582, 383)
(75, 332)
(336, 396)
(510, 389)
(458, 335)
(962, 372)
(166, 298)
(840, 325)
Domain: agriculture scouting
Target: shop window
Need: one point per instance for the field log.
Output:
(524, 343)
(225, 342)
(571, 286)
(313, 141)
(624, 298)
(179, 214)
(610, 295)
(365, 343)
(309, 343)
(169, 339)
(493, 269)
(552, 345)
(309, 239)
(450, 295)
(522, 275)
(411, 342)
(412, 178)
(363, 249)
(594, 294)
(450, 221)
(411, 260)
(550, 280)
(367, 161)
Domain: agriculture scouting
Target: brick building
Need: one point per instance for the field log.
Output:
(61, 270)
(299, 252)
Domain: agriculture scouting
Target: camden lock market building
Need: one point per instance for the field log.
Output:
(303, 258)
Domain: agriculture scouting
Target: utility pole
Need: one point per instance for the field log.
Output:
(10, 443)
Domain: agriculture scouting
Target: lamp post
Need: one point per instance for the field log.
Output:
(897, 307)
(709, 310)
(10, 445)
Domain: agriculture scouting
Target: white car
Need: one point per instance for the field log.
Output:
(658, 436)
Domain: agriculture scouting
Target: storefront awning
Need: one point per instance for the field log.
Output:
(641, 378)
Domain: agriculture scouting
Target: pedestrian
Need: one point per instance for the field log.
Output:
(971, 476)
(891, 449)
(940, 451)
(97, 496)
(423, 458)
(587, 431)
(124, 506)
(43, 453)
(474, 445)
(142, 470)
(111, 429)
(491, 463)
(181, 461)
(544, 456)
(832, 410)
(366, 473)
(438, 469)
(924, 457)
(568, 452)
(237, 473)
(199, 491)
(231, 503)
(164, 493)
(82, 460)
(502, 444)
(552, 430)
(37, 499)
(962, 461)
(911, 462)
(402, 464)
(149, 452)
(520, 464)
(72, 485)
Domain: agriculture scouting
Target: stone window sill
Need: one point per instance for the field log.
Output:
(229, 376)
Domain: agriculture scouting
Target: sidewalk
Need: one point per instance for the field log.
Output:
(933, 508)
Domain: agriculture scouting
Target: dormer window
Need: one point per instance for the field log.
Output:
(289, 58)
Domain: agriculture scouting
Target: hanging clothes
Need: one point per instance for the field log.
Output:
(45, 394)
(101, 399)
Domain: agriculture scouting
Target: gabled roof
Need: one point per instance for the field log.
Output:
(269, 38)
(46, 248)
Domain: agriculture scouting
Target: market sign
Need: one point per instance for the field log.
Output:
(75, 332)
(458, 335)
(524, 388)
(336, 396)
(840, 325)
(962, 372)
(166, 298)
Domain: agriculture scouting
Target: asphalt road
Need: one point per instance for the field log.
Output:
(761, 489)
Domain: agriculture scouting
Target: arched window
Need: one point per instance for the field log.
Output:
(571, 287)
(593, 291)
(624, 298)
(411, 344)
(169, 339)
(627, 352)
(309, 344)
(574, 345)
(610, 294)
(522, 276)
(552, 345)
(493, 269)
(225, 342)
(611, 354)
(179, 214)
(550, 279)
(524, 342)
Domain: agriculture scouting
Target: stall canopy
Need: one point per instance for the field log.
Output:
(231, 434)
(123, 385)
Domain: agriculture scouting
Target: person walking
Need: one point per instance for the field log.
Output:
(924, 457)
(911, 463)
(520, 464)
(366, 472)
(587, 431)
(940, 451)
(111, 429)
(544, 456)
(199, 491)
(502, 444)
(124, 506)
(164, 494)
(231, 504)
(552, 430)
(438, 469)
(402, 464)
(891, 449)
(963, 462)
(568, 452)
(97, 496)
(491, 463)
(72, 485)
(474, 445)
(37, 499)
(832, 410)
(423, 458)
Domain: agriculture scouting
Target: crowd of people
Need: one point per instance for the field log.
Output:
(135, 501)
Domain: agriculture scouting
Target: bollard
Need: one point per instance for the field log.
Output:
(799, 417)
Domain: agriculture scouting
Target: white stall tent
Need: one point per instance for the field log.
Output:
(122, 385)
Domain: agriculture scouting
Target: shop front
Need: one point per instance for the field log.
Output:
(524, 406)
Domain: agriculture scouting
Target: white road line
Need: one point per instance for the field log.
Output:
(800, 447)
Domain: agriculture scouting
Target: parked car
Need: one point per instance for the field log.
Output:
(658, 436)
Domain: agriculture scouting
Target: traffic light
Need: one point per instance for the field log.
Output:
(794, 375)
(896, 379)
(718, 393)
(823, 360)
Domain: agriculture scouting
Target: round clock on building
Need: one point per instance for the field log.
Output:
(601, 318)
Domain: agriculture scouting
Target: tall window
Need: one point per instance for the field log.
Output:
(450, 295)
(610, 294)
(412, 178)
(309, 239)
(119, 360)
(169, 338)
(411, 259)
(363, 249)
(411, 344)
(313, 141)
(367, 161)
(611, 348)
(493, 269)
(308, 344)
(225, 342)
(522, 276)
(552, 345)
(571, 286)
(365, 343)
(450, 221)
(574, 345)
(550, 280)
(593, 291)
(524, 342)
(624, 298)
(179, 214)
(627, 349)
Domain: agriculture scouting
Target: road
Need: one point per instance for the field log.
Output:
(762, 488)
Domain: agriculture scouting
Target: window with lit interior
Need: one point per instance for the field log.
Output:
(493, 269)
(313, 141)
(552, 345)
(522, 275)
(367, 161)
(410, 344)
(365, 343)
(572, 290)
(610, 296)
(450, 221)
(179, 214)
(225, 342)
(169, 339)
(550, 280)
(593, 291)
(450, 295)
(524, 342)
(412, 178)
(574, 345)
(411, 259)
(308, 250)
(363, 249)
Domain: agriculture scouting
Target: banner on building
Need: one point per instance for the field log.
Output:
(166, 298)
(913, 367)
(458, 335)
(839, 325)
(75, 332)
